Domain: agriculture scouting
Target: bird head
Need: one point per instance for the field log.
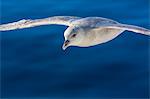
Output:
(73, 37)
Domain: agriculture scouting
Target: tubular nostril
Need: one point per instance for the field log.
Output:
(66, 42)
(65, 45)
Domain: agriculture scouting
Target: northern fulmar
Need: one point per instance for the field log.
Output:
(82, 32)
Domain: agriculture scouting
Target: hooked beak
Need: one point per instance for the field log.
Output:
(65, 45)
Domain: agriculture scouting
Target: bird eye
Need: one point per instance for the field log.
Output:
(74, 35)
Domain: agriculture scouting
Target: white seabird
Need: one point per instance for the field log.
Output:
(82, 32)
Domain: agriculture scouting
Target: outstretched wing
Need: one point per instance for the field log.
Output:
(132, 28)
(60, 20)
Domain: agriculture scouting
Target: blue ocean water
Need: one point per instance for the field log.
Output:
(33, 63)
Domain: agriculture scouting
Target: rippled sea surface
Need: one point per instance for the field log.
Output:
(33, 63)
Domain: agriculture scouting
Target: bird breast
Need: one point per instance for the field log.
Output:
(99, 35)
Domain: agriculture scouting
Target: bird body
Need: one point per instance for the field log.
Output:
(100, 35)
(82, 32)
(92, 36)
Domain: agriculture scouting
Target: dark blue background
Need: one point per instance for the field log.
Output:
(34, 65)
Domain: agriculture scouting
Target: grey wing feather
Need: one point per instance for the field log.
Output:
(60, 20)
(132, 28)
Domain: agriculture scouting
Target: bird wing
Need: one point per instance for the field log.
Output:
(132, 28)
(59, 20)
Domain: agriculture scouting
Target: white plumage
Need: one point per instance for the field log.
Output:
(83, 32)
